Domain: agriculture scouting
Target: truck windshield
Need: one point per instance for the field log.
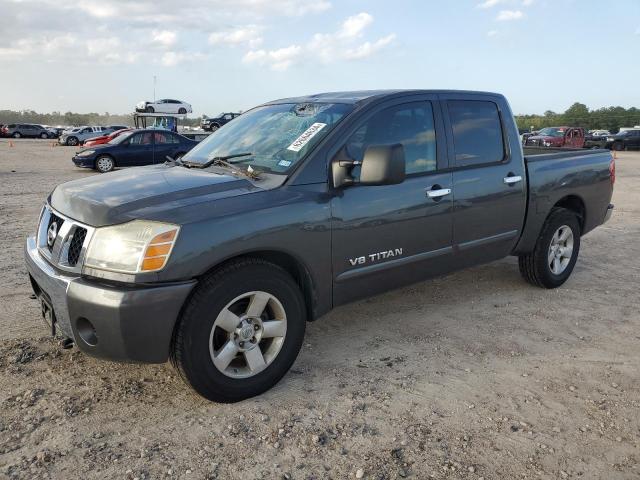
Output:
(552, 132)
(272, 137)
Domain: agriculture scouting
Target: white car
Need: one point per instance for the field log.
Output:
(165, 105)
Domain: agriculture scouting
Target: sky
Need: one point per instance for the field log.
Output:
(230, 55)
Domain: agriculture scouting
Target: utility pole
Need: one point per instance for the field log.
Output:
(154, 88)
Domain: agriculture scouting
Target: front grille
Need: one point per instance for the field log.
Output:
(58, 221)
(75, 246)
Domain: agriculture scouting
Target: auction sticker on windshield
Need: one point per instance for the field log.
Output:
(306, 136)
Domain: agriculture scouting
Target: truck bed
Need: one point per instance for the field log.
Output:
(578, 176)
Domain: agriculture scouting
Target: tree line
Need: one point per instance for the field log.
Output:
(74, 119)
(579, 115)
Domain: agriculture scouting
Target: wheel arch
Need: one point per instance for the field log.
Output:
(287, 261)
(576, 205)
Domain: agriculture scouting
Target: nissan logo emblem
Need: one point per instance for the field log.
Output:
(52, 233)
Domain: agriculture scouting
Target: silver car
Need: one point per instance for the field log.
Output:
(77, 136)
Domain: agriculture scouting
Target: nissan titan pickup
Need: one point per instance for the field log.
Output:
(216, 261)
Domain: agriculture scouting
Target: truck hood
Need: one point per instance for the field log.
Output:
(142, 192)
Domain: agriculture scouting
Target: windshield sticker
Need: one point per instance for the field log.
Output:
(284, 163)
(307, 135)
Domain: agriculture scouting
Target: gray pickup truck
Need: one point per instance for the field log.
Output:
(217, 261)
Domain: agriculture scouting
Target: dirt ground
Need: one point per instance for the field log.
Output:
(476, 375)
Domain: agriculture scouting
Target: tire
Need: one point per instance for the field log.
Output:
(44, 136)
(214, 127)
(150, 110)
(198, 334)
(104, 164)
(182, 111)
(16, 135)
(538, 267)
(618, 146)
(72, 141)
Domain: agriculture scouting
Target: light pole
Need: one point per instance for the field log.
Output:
(154, 88)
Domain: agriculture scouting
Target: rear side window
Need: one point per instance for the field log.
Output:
(477, 132)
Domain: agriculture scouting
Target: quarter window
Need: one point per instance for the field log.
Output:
(411, 125)
(477, 132)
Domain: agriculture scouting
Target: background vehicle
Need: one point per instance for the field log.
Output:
(78, 135)
(596, 139)
(134, 148)
(55, 132)
(627, 139)
(219, 266)
(106, 138)
(212, 124)
(26, 130)
(557, 137)
(165, 105)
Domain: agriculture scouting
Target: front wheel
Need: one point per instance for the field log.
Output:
(618, 146)
(556, 251)
(182, 111)
(240, 332)
(104, 164)
(150, 110)
(16, 135)
(72, 141)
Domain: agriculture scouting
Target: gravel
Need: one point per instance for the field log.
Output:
(383, 388)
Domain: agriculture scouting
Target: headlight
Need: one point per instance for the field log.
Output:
(133, 247)
(546, 144)
(85, 153)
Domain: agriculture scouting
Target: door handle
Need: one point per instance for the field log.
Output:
(438, 193)
(510, 180)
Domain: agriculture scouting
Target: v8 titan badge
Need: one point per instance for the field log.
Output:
(306, 136)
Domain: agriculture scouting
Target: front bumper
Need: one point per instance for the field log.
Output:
(122, 323)
(84, 162)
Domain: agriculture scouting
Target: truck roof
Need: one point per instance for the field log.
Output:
(361, 96)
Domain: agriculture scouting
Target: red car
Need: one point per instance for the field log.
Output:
(105, 138)
(557, 137)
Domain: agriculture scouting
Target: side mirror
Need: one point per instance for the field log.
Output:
(381, 165)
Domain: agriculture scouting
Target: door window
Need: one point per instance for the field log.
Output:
(141, 139)
(165, 138)
(411, 125)
(477, 132)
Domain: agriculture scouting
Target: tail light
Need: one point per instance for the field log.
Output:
(612, 170)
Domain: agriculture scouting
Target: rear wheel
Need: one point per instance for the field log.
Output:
(214, 127)
(240, 332)
(104, 163)
(44, 135)
(182, 111)
(556, 251)
(16, 135)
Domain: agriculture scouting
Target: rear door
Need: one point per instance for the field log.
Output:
(489, 183)
(390, 235)
(165, 144)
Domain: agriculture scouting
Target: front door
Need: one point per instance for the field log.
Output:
(138, 150)
(387, 236)
(489, 182)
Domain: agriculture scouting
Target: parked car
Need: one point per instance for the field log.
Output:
(627, 139)
(26, 130)
(212, 124)
(297, 207)
(105, 138)
(596, 139)
(557, 137)
(165, 105)
(55, 132)
(134, 148)
(78, 135)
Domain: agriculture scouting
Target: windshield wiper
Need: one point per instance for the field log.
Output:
(223, 159)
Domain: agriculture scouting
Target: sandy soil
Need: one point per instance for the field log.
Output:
(476, 375)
